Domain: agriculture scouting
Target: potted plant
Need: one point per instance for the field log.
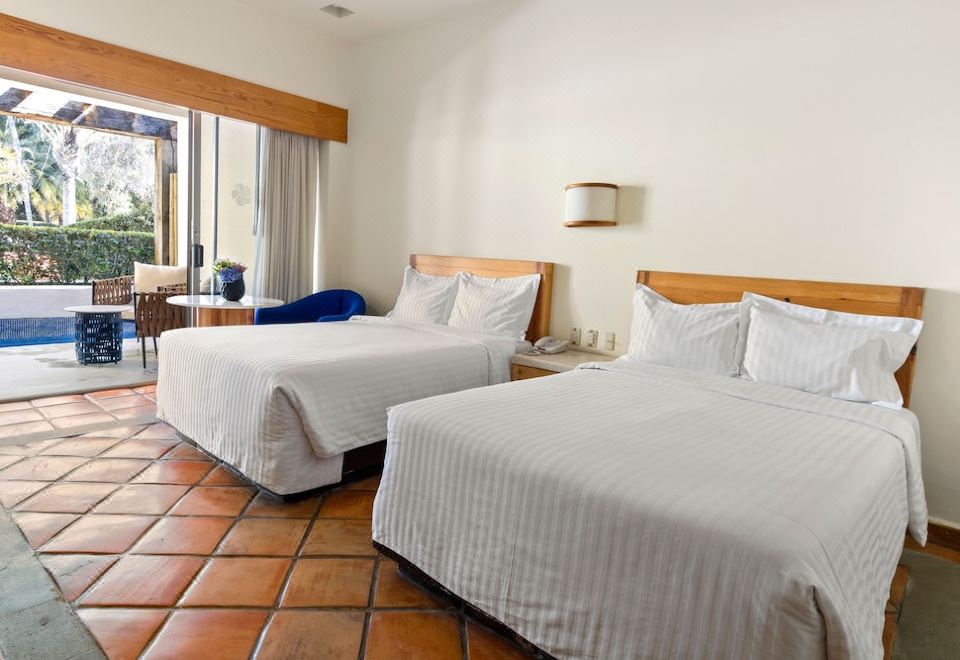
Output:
(231, 278)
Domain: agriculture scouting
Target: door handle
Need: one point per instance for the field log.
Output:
(197, 255)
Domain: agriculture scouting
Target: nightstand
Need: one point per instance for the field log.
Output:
(523, 366)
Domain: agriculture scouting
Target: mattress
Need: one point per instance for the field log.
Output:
(282, 403)
(626, 510)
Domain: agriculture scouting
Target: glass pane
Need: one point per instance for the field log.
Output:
(228, 199)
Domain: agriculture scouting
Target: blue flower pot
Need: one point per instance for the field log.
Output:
(233, 290)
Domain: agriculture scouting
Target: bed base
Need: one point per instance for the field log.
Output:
(898, 588)
(413, 573)
(358, 464)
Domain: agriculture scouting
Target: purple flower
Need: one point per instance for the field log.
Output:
(230, 275)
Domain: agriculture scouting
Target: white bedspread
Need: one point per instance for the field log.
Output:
(242, 386)
(633, 511)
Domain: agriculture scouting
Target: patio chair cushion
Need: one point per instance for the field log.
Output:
(147, 277)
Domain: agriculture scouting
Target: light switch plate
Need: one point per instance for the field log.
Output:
(592, 338)
(610, 342)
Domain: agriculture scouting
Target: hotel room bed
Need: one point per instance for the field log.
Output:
(284, 403)
(630, 510)
(255, 396)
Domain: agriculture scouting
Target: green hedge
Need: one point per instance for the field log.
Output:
(140, 221)
(67, 255)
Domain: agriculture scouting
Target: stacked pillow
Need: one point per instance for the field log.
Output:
(699, 337)
(840, 355)
(496, 306)
(425, 298)
(844, 356)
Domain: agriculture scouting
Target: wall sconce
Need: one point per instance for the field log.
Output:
(591, 205)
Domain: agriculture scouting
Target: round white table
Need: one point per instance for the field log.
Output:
(98, 331)
(217, 310)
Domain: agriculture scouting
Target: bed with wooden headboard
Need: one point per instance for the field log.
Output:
(307, 403)
(873, 299)
(636, 502)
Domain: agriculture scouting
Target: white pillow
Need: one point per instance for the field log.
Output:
(496, 306)
(425, 298)
(817, 315)
(839, 361)
(148, 277)
(699, 337)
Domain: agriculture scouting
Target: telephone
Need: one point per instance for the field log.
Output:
(551, 345)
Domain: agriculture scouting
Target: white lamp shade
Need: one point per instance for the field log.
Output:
(591, 204)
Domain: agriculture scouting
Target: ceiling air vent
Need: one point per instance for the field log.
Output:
(337, 10)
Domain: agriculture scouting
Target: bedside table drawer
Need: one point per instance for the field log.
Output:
(523, 372)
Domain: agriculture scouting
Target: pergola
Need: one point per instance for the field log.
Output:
(59, 108)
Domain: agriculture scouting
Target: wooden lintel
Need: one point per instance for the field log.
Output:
(50, 52)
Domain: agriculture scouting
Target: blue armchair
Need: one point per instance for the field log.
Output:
(332, 305)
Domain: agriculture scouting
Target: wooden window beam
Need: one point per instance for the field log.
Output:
(57, 54)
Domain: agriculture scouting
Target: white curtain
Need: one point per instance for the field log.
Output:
(287, 217)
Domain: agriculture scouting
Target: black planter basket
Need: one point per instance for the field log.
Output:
(233, 290)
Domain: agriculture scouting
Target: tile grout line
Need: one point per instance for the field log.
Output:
(62, 433)
(13, 509)
(127, 553)
(82, 515)
(60, 479)
(118, 556)
(464, 640)
(368, 613)
(285, 584)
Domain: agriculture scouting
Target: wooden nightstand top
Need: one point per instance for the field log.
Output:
(566, 361)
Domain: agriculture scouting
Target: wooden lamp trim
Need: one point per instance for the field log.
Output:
(590, 223)
(592, 185)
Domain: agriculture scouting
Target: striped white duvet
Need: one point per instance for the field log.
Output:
(260, 396)
(634, 511)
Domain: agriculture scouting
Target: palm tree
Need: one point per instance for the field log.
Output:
(12, 177)
(24, 179)
(65, 149)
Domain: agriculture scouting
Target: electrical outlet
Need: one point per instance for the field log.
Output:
(592, 338)
(611, 341)
(575, 336)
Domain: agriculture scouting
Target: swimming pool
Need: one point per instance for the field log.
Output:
(56, 330)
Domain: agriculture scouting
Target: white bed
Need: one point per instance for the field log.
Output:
(628, 510)
(284, 403)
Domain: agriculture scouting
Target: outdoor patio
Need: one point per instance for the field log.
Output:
(43, 370)
(40, 367)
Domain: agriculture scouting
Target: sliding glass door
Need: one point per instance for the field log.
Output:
(224, 197)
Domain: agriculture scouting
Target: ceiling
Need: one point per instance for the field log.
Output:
(372, 18)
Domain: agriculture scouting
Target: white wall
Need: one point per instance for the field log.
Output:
(245, 40)
(798, 139)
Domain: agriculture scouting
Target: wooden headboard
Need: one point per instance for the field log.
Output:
(690, 288)
(431, 264)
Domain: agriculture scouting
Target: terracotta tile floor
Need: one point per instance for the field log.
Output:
(166, 554)
(73, 410)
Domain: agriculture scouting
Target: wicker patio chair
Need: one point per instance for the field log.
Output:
(113, 291)
(154, 316)
(174, 289)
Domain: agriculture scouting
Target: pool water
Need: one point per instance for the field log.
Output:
(57, 330)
